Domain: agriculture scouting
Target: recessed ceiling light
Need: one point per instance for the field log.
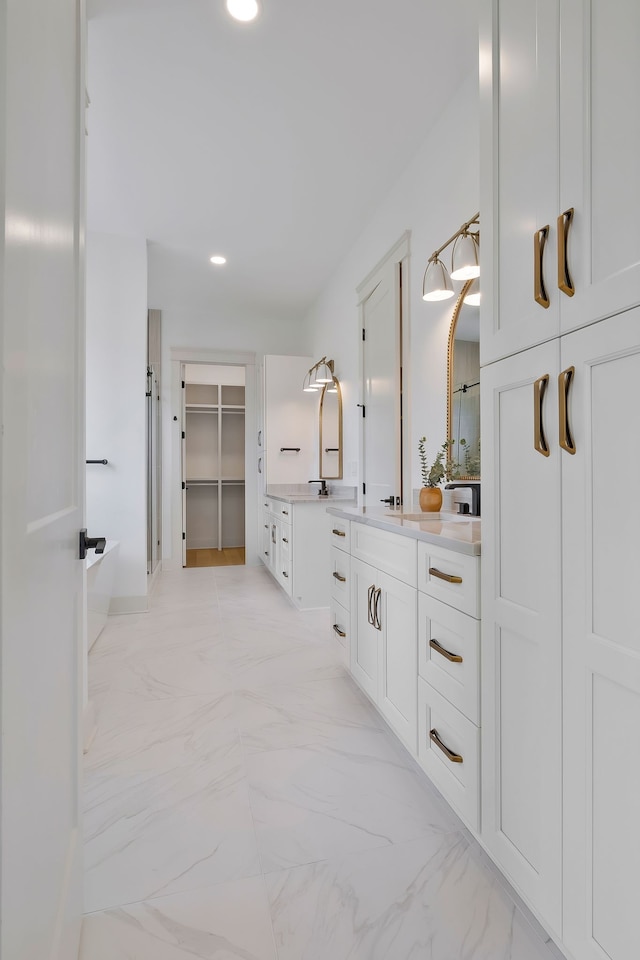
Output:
(218, 260)
(243, 9)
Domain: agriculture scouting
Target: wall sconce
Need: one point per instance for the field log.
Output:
(318, 375)
(436, 283)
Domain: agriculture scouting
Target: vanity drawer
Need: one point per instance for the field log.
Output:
(451, 577)
(456, 779)
(444, 636)
(341, 577)
(285, 546)
(284, 511)
(340, 624)
(340, 533)
(285, 575)
(388, 552)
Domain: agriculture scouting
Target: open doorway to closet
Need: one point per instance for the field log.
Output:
(213, 465)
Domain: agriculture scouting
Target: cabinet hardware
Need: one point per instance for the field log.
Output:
(266, 553)
(266, 526)
(565, 283)
(539, 440)
(565, 380)
(339, 577)
(444, 576)
(273, 533)
(286, 513)
(453, 657)
(259, 438)
(369, 599)
(289, 449)
(105, 462)
(376, 609)
(285, 574)
(449, 754)
(284, 540)
(339, 533)
(337, 629)
(539, 289)
(259, 464)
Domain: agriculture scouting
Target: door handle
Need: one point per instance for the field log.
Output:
(88, 543)
(565, 283)
(376, 609)
(565, 380)
(369, 608)
(539, 289)
(539, 440)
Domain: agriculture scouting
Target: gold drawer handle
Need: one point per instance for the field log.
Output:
(337, 629)
(338, 533)
(565, 283)
(444, 576)
(449, 754)
(539, 289)
(539, 440)
(285, 574)
(339, 577)
(453, 657)
(284, 540)
(565, 380)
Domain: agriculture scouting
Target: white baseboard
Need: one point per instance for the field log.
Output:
(128, 605)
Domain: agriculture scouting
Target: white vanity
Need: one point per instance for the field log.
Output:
(405, 609)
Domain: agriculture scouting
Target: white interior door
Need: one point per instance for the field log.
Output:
(42, 484)
(381, 423)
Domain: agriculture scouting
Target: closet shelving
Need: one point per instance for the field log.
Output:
(213, 465)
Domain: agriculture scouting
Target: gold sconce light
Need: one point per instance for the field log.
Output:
(320, 374)
(465, 265)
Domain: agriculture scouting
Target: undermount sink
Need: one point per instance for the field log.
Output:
(448, 517)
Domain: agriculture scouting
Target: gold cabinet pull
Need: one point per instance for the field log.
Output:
(339, 577)
(337, 629)
(444, 576)
(539, 289)
(369, 599)
(449, 754)
(453, 657)
(564, 382)
(539, 440)
(565, 283)
(284, 540)
(338, 533)
(376, 609)
(285, 574)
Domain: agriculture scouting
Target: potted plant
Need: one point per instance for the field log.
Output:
(432, 476)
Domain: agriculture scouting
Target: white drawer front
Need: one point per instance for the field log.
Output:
(284, 511)
(451, 577)
(341, 577)
(284, 575)
(340, 533)
(340, 623)
(444, 636)
(389, 552)
(457, 781)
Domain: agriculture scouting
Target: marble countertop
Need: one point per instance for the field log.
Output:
(308, 498)
(446, 529)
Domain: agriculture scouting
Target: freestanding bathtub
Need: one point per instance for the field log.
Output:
(101, 569)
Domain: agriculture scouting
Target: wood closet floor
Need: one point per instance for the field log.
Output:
(229, 557)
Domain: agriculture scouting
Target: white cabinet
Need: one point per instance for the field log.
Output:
(297, 550)
(557, 135)
(288, 446)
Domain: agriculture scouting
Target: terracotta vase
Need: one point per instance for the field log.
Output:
(430, 499)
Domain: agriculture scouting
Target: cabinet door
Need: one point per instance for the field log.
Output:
(519, 67)
(600, 145)
(364, 635)
(397, 618)
(521, 628)
(601, 534)
(291, 421)
(265, 537)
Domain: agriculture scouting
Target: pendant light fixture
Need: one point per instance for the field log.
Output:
(318, 376)
(464, 257)
(436, 283)
(472, 297)
(307, 385)
(243, 10)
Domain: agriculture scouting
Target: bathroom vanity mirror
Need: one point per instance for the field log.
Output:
(330, 459)
(463, 387)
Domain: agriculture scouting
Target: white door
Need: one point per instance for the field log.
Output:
(381, 423)
(600, 145)
(42, 486)
(601, 575)
(364, 635)
(521, 626)
(397, 617)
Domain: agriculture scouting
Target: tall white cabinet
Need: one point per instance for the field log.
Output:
(561, 643)
(288, 427)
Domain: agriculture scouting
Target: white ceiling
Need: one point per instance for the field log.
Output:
(267, 142)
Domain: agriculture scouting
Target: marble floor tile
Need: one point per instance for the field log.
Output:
(311, 803)
(255, 666)
(172, 671)
(227, 922)
(152, 834)
(410, 901)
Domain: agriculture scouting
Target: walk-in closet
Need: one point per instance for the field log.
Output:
(213, 478)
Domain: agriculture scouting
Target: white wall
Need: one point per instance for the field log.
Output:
(437, 192)
(116, 407)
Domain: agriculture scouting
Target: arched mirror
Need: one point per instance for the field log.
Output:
(463, 386)
(330, 459)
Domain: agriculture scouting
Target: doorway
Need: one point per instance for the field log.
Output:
(213, 465)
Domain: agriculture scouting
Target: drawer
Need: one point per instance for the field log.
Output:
(458, 782)
(284, 511)
(340, 624)
(286, 546)
(341, 577)
(451, 577)
(389, 552)
(284, 576)
(340, 533)
(454, 635)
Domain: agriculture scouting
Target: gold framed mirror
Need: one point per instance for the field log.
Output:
(463, 388)
(330, 414)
